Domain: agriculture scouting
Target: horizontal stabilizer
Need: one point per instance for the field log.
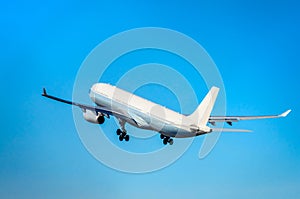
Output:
(231, 130)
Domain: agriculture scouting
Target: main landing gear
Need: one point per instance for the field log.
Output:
(122, 135)
(166, 139)
(122, 132)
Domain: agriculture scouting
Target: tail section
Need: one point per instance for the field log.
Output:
(201, 115)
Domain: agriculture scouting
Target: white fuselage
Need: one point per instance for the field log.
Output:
(140, 112)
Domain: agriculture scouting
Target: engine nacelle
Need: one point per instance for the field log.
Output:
(93, 117)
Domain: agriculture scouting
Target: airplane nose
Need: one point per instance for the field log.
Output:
(92, 89)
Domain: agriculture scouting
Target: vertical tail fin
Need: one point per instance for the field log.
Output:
(201, 115)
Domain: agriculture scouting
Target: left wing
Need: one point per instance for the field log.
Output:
(104, 111)
(229, 119)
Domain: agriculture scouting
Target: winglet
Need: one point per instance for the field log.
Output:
(44, 92)
(285, 113)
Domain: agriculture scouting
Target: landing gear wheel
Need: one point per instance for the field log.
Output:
(162, 136)
(119, 131)
(165, 141)
(121, 137)
(171, 141)
(126, 138)
(101, 119)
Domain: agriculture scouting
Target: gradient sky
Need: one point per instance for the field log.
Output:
(255, 45)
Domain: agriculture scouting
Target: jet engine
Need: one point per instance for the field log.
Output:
(93, 117)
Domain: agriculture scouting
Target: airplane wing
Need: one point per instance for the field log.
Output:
(106, 112)
(229, 119)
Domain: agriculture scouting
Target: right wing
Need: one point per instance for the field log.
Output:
(230, 119)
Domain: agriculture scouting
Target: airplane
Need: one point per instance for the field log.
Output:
(142, 113)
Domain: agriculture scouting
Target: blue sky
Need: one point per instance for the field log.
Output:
(255, 46)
